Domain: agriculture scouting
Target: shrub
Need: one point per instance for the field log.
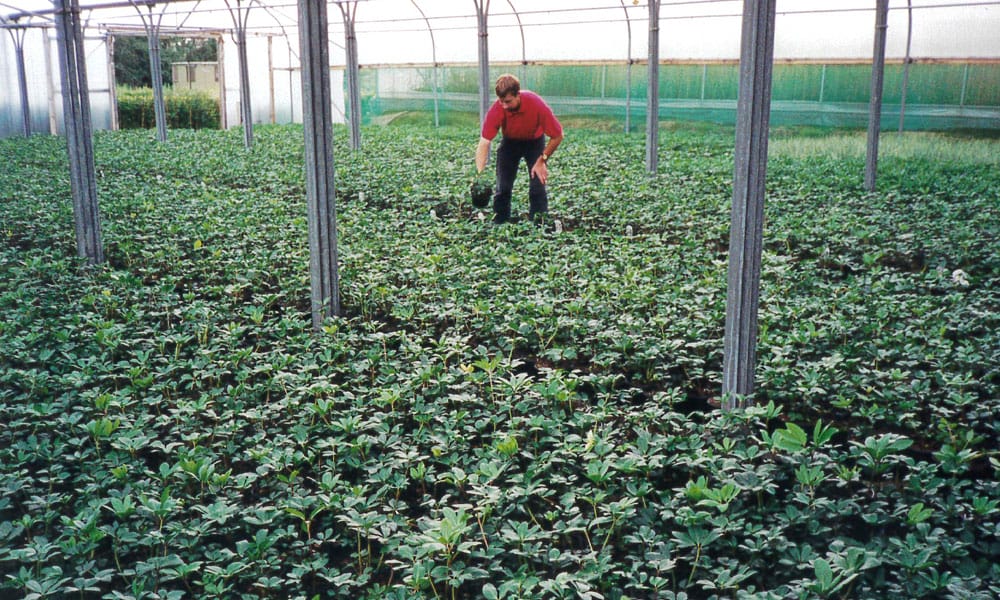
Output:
(186, 109)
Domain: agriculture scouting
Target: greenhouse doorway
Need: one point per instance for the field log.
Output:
(192, 74)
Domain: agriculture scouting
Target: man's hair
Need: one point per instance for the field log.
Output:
(507, 84)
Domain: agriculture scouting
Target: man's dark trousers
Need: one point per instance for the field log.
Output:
(509, 156)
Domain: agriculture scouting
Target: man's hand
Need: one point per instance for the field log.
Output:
(540, 170)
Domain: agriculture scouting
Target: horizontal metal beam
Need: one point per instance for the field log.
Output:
(52, 11)
(140, 30)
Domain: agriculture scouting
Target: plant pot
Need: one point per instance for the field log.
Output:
(480, 192)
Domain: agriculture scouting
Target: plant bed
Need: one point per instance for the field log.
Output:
(500, 412)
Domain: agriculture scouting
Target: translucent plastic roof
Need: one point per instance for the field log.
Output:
(402, 31)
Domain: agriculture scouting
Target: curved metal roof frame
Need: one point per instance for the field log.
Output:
(557, 30)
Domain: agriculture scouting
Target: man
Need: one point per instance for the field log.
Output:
(525, 120)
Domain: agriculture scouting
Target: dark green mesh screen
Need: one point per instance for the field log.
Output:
(939, 95)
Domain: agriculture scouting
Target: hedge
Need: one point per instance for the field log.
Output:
(186, 109)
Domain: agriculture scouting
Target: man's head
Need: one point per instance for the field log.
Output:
(508, 90)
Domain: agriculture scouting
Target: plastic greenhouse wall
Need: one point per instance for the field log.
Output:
(41, 66)
(276, 85)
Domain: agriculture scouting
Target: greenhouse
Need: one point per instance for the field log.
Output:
(273, 325)
(587, 57)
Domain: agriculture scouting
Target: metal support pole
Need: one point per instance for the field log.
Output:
(906, 64)
(628, 97)
(50, 86)
(653, 91)
(240, 18)
(822, 83)
(437, 92)
(270, 78)
(354, 85)
(965, 85)
(291, 88)
(109, 42)
(223, 98)
(485, 89)
(79, 132)
(704, 80)
(246, 110)
(152, 27)
(628, 73)
(349, 9)
(317, 119)
(746, 231)
(156, 72)
(17, 36)
(875, 104)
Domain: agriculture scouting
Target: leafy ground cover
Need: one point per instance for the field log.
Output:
(502, 412)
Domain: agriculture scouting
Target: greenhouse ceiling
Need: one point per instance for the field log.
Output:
(445, 31)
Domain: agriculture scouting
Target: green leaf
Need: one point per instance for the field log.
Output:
(791, 439)
(918, 514)
(824, 574)
(822, 433)
(490, 592)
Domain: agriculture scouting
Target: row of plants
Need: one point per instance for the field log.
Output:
(185, 109)
(501, 412)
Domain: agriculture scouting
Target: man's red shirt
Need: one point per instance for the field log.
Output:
(528, 122)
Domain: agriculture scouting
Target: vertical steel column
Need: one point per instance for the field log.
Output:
(156, 74)
(628, 73)
(875, 103)
(317, 121)
(906, 64)
(270, 78)
(485, 89)
(79, 132)
(653, 91)
(349, 13)
(152, 27)
(246, 110)
(109, 43)
(50, 86)
(747, 225)
(17, 36)
(240, 18)
(628, 97)
(822, 83)
(291, 88)
(437, 92)
(704, 80)
(965, 85)
(223, 99)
